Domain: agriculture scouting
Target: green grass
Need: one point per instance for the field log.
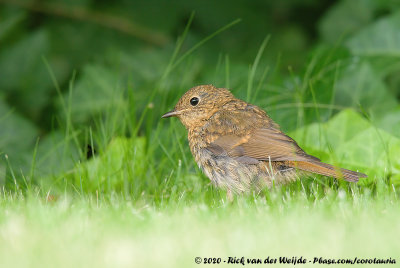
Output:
(86, 232)
(141, 201)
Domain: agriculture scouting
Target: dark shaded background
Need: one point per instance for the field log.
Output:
(70, 34)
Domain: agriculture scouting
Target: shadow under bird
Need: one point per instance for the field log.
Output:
(239, 147)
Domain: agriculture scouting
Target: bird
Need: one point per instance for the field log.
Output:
(240, 148)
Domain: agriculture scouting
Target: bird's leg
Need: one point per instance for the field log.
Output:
(229, 195)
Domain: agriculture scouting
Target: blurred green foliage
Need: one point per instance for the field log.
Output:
(79, 73)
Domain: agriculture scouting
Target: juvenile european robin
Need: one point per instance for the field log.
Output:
(239, 147)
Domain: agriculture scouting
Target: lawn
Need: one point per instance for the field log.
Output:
(88, 232)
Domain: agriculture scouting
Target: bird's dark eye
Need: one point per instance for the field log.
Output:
(194, 101)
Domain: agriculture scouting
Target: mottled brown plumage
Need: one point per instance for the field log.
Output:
(239, 147)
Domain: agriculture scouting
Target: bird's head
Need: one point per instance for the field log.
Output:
(198, 104)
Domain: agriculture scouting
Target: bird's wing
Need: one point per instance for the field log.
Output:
(253, 137)
(264, 144)
(249, 133)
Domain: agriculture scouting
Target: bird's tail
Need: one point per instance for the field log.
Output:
(327, 170)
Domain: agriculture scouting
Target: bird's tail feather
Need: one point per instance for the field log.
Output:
(328, 170)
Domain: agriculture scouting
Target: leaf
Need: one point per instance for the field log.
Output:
(17, 136)
(391, 122)
(345, 18)
(122, 161)
(55, 155)
(381, 38)
(350, 141)
(359, 85)
(27, 78)
(96, 91)
(374, 150)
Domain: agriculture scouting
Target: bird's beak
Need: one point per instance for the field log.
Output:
(171, 113)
